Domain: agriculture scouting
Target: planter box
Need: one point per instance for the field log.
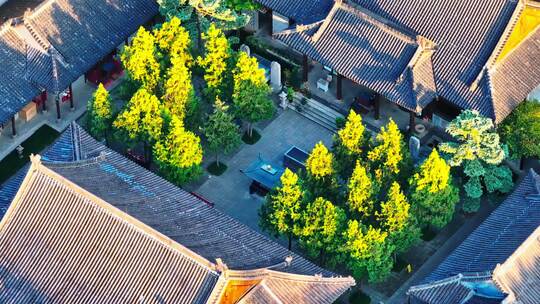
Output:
(295, 158)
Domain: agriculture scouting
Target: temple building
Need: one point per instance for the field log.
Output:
(87, 225)
(498, 263)
(54, 44)
(431, 58)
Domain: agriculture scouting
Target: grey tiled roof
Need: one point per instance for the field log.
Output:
(173, 211)
(279, 288)
(15, 90)
(516, 74)
(519, 276)
(60, 244)
(79, 159)
(453, 290)
(61, 150)
(359, 47)
(498, 236)
(302, 11)
(79, 32)
(509, 236)
(468, 36)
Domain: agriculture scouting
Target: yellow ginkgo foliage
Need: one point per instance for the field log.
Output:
(141, 117)
(388, 151)
(140, 61)
(352, 135)
(217, 52)
(319, 162)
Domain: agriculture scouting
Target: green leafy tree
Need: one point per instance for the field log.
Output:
(251, 92)
(221, 131)
(433, 194)
(282, 211)
(479, 151)
(361, 191)
(100, 113)
(199, 14)
(179, 155)
(521, 130)
(141, 119)
(396, 219)
(322, 224)
(350, 144)
(179, 96)
(140, 60)
(217, 54)
(476, 139)
(394, 212)
(174, 41)
(389, 157)
(320, 179)
(241, 5)
(368, 252)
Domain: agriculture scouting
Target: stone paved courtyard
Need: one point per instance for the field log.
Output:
(230, 191)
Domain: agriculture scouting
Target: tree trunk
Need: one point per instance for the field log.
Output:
(290, 241)
(250, 130)
(199, 31)
(217, 160)
(521, 163)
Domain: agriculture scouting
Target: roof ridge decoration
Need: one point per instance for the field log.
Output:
(370, 17)
(37, 167)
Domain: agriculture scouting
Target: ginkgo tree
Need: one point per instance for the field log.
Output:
(199, 14)
(140, 59)
(281, 214)
(251, 92)
(179, 154)
(433, 192)
(100, 113)
(141, 120)
(216, 56)
(350, 144)
(222, 133)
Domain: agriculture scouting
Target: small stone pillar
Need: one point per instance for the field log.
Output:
(275, 76)
(414, 147)
(244, 48)
(284, 103)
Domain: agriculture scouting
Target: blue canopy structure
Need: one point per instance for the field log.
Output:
(264, 172)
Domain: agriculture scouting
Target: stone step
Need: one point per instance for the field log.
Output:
(318, 113)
